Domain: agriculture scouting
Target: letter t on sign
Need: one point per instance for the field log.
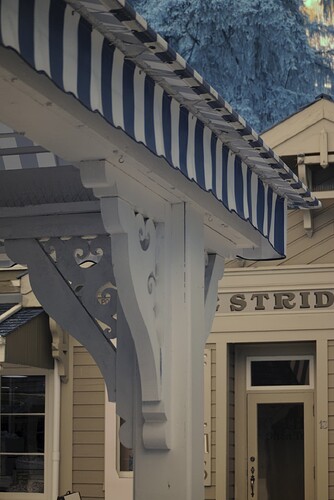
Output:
(260, 300)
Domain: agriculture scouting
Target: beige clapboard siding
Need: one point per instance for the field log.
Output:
(331, 419)
(210, 491)
(88, 426)
(302, 249)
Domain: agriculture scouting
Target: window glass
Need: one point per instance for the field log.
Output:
(22, 394)
(125, 456)
(22, 443)
(281, 451)
(280, 372)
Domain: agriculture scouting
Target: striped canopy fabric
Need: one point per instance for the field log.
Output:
(104, 54)
(18, 152)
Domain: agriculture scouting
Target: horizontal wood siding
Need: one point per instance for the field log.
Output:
(88, 426)
(331, 419)
(210, 491)
(302, 249)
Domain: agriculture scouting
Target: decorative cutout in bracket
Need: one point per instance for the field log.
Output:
(54, 289)
(86, 264)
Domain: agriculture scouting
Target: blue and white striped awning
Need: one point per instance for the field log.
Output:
(19, 152)
(105, 55)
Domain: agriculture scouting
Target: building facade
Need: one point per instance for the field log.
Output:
(273, 341)
(269, 367)
(126, 236)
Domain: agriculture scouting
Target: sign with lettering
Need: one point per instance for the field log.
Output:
(275, 301)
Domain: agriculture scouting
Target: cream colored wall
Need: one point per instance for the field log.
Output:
(249, 326)
(303, 250)
(88, 426)
(210, 491)
(82, 426)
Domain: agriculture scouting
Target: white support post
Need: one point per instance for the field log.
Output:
(167, 289)
(178, 473)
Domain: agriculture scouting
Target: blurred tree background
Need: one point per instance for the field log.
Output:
(267, 58)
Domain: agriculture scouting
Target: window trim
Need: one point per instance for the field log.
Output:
(250, 387)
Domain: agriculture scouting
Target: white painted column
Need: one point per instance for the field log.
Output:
(177, 473)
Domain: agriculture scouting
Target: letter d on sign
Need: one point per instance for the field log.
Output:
(319, 299)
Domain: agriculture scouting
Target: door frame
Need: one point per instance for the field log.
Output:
(255, 398)
(242, 352)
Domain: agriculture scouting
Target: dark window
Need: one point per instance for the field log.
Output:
(280, 372)
(22, 445)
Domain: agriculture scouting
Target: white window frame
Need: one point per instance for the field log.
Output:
(252, 388)
(18, 370)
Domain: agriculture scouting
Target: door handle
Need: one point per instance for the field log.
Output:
(252, 481)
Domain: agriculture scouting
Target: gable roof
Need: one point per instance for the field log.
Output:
(299, 132)
(19, 319)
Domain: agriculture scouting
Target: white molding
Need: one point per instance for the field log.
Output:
(49, 417)
(274, 388)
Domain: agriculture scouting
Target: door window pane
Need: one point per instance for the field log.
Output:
(280, 429)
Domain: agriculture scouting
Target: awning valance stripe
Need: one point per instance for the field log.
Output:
(54, 39)
(18, 152)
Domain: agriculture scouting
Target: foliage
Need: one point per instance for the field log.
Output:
(255, 53)
(328, 7)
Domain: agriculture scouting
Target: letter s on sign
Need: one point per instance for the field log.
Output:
(238, 302)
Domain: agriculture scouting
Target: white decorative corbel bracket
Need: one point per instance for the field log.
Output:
(60, 348)
(136, 250)
(133, 243)
(66, 300)
(304, 176)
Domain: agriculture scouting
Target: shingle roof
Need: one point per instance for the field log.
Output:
(5, 307)
(18, 319)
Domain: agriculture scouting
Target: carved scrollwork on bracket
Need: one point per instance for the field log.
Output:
(86, 264)
(136, 247)
(57, 286)
(146, 232)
